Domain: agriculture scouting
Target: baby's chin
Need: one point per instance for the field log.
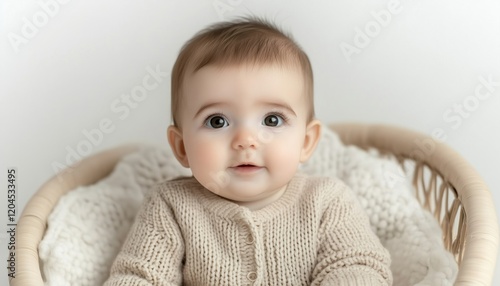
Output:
(252, 198)
(240, 195)
(247, 189)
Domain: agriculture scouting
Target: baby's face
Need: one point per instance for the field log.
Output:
(244, 128)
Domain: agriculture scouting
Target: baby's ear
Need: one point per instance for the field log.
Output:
(174, 136)
(313, 133)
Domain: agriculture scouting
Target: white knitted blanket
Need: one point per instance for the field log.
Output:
(89, 224)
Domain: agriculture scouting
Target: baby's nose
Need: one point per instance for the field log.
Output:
(245, 139)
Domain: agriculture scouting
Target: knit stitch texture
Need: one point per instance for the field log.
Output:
(314, 233)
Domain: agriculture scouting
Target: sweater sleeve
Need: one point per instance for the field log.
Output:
(153, 251)
(349, 251)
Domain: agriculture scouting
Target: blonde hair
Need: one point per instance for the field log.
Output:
(249, 40)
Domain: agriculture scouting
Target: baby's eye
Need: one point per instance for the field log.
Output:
(273, 120)
(216, 121)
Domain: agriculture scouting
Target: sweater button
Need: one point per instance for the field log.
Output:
(250, 239)
(252, 276)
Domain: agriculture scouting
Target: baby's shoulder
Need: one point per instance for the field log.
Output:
(325, 189)
(174, 189)
(178, 183)
(323, 184)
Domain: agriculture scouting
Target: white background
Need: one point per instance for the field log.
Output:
(62, 76)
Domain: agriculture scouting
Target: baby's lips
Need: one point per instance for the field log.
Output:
(246, 168)
(245, 164)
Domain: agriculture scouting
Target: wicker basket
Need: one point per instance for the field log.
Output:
(446, 185)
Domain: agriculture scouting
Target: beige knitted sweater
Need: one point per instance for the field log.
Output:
(315, 234)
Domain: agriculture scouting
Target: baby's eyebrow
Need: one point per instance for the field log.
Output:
(282, 105)
(208, 105)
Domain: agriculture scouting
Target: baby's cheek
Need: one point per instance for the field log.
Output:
(205, 153)
(283, 154)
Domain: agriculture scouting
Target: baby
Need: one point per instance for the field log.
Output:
(243, 121)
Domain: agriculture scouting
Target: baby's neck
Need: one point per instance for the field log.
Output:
(259, 204)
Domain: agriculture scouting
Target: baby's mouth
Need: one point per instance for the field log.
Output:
(246, 168)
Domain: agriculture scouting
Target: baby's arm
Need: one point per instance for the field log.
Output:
(153, 251)
(349, 251)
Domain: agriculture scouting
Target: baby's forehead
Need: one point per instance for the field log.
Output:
(245, 85)
(256, 77)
